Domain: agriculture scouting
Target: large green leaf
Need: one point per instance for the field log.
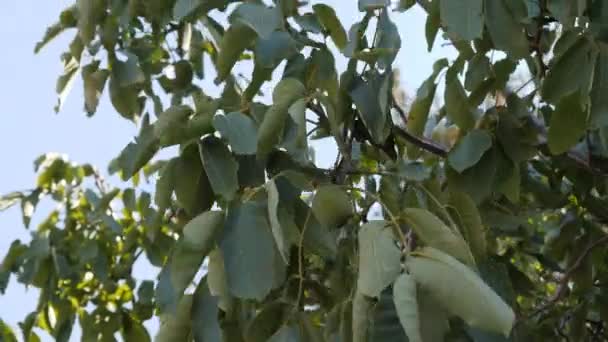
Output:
(220, 166)
(477, 181)
(330, 22)
(248, 249)
(469, 150)
(138, 153)
(478, 69)
(240, 130)
(267, 322)
(170, 128)
(434, 233)
(332, 206)
(192, 189)
(317, 238)
(470, 222)
(284, 95)
(465, 18)
(507, 32)
(568, 123)
(379, 258)
(366, 5)
(571, 72)
(236, 39)
(460, 290)
(263, 20)
(271, 51)
(128, 72)
(88, 13)
(199, 238)
(406, 302)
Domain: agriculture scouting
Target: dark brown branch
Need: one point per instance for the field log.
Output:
(423, 143)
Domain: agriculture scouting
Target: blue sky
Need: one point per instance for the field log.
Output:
(29, 126)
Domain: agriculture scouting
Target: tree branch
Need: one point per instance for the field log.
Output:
(423, 143)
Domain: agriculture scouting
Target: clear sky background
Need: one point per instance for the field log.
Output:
(29, 127)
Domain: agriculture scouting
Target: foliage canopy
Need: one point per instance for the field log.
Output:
(493, 207)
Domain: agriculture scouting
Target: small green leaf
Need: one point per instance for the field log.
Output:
(220, 166)
(332, 206)
(236, 39)
(271, 51)
(240, 131)
(64, 84)
(379, 258)
(507, 32)
(171, 125)
(469, 150)
(192, 189)
(284, 229)
(88, 13)
(568, 123)
(431, 27)
(263, 20)
(434, 233)
(137, 154)
(371, 99)
(247, 247)
(478, 69)
(404, 295)
(10, 199)
(6, 333)
(460, 290)
(94, 80)
(464, 18)
(331, 23)
(387, 38)
(284, 95)
(129, 72)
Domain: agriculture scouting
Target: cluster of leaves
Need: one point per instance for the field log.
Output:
(493, 228)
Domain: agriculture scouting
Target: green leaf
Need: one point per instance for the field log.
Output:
(240, 131)
(469, 150)
(332, 206)
(434, 233)
(247, 247)
(470, 222)
(457, 105)
(464, 18)
(431, 27)
(184, 8)
(368, 5)
(271, 51)
(460, 290)
(10, 199)
(236, 39)
(404, 295)
(129, 72)
(267, 322)
(477, 181)
(192, 189)
(67, 19)
(137, 154)
(28, 205)
(297, 112)
(134, 330)
(88, 13)
(317, 238)
(125, 100)
(284, 95)
(371, 99)
(170, 127)
(263, 20)
(6, 333)
(478, 69)
(94, 80)
(176, 326)
(330, 22)
(220, 166)
(361, 317)
(598, 117)
(507, 32)
(571, 72)
(199, 237)
(379, 258)
(387, 37)
(284, 229)
(568, 124)
(205, 325)
(66, 80)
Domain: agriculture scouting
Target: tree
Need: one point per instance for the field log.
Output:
(493, 227)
